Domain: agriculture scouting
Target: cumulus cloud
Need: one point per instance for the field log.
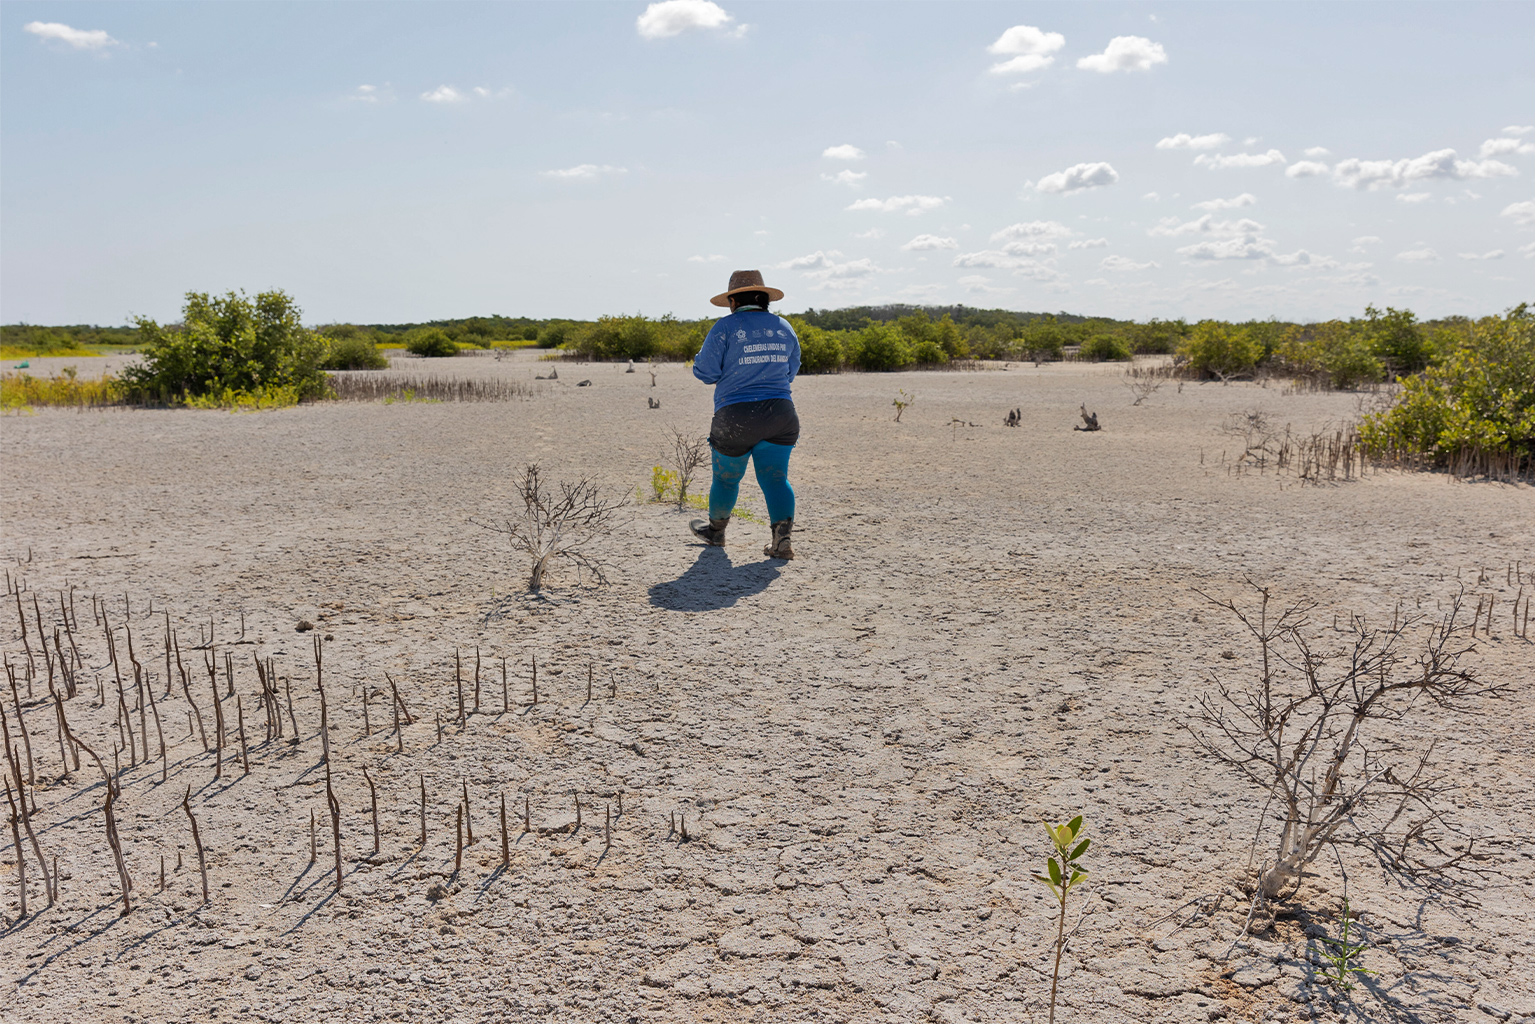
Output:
(818, 260)
(829, 274)
(1315, 151)
(1412, 197)
(1120, 263)
(1242, 248)
(1522, 214)
(1493, 254)
(1030, 248)
(1028, 48)
(872, 233)
(912, 205)
(712, 258)
(1359, 244)
(1078, 177)
(976, 284)
(1220, 162)
(843, 152)
(371, 94)
(846, 177)
(994, 258)
(586, 172)
(1031, 230)
(79, 38)
(1306, 169)
(929, 243)
(1528, 250)
(1421, 255)
(1089, 243)
(1170, 227)
(1125, 53)
(444, 94)
(1152, 196)
(1502, 147)
(1186, 141)
(674, 17)
(1442, 164)
(1518, 129)
(1246, 199)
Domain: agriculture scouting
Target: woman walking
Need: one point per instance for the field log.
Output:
(750, 357)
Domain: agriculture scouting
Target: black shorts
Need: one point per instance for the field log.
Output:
(736, 428)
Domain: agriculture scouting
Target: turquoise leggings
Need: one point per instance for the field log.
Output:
(771, 462)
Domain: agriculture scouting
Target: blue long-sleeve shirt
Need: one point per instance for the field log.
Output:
(749, 356)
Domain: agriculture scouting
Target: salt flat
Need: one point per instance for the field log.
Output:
(984, 627)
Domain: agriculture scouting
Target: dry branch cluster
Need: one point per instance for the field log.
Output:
(1337, 729)
(558, 522)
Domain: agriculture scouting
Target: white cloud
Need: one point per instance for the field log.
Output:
(586, 172)
(1126, 53)
(1242, 248)
(979, 285)
(1301, 259)
(1500, 147)
(1246, 199)
(1078, 177)
(1186, 141)
(843, 152)
(1315, 151)
(1518, 129)
(79, 38)
(1412, 197)
(1522, 214)
(1120, 263)
(1441, 164)
(1152, 196)
(444, 94)
(838, 276)
(1170, 227)
(1219, 162)
(913, 205)
(1528, 250)
(674, 17)
(371, 94)
(1306, 169)
(1030, 248)
(994, 258)
(1424, 255)
(1493, 254)
(1029, 48)
(928, 243)
(1033, 229)
(872, 233)
(818, 260)
(487, 94)
(846, 177)
(1036, 271)
(1089, 243)
(712, 258)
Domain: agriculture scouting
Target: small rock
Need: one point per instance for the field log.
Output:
(583, 383)
(437, 891)
(304, 626)
(253, 972)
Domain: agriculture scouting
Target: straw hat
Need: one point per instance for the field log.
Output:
(746, 281)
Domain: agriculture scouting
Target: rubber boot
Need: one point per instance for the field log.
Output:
(779, 546)
(711, 532)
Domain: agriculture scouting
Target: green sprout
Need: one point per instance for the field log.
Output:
(1062, 875)
(1338, 954)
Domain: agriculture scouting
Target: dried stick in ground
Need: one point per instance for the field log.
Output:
(325, 727)
(212, 666)
(21, 861)
(21, 727)
(477, 679)
(458, 843)
(117, 853)
(13, 760)
(197, 841)
(330, 799)
(469, 825)
(688, 452)
(373, 797)
(245, 756)
(458, 682)
(186, 689)
(505, 854)
(423, 780)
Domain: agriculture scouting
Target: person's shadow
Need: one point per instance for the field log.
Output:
(712, 583)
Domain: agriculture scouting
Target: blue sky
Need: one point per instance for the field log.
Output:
(410, 161)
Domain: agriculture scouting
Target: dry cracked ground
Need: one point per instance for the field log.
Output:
(985, 627)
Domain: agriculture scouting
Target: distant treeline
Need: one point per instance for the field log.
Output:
(43, 340)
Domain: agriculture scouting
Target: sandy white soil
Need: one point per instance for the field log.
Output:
(984, 627)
